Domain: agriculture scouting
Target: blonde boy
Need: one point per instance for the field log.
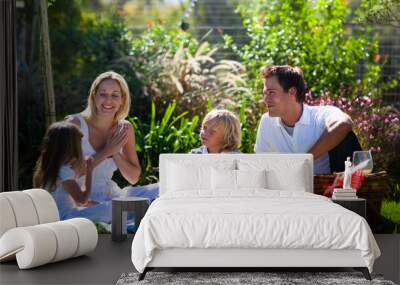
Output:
(220, 133)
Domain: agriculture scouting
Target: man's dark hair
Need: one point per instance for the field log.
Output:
(288, 77)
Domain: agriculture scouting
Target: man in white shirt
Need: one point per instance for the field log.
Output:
(290, 126)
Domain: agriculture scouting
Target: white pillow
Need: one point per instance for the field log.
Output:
(280, 180)
(281, 174)
(184, 177)
(251, 178)
(223, 179)
(226, 179)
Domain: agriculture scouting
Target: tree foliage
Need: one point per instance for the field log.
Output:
(312, 35)
(380, 12)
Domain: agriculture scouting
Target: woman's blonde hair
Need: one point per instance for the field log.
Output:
(123, 111)
(231, 125)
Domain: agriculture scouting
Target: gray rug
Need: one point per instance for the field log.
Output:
(230, 278)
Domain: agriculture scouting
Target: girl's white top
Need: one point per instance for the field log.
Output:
(64, 201)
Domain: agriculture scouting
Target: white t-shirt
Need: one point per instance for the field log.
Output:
(63, 199)
(272, 136)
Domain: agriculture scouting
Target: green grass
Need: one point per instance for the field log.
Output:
(101, 229)
(391, 211)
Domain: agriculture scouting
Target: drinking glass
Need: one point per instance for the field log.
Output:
(362, 161)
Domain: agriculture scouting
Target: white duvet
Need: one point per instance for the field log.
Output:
(250, 219)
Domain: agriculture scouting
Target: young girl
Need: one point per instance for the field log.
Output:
(61, 168)
(220, 133)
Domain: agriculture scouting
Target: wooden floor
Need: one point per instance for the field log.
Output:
(111, 259)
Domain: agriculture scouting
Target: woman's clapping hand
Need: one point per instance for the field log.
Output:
(117, 139)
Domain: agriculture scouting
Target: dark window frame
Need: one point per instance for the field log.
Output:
(8, 98)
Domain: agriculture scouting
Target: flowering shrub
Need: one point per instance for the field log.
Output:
(377, 127)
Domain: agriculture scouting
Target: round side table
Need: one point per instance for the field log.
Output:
(120, 208)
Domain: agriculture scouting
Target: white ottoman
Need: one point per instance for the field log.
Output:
(31, 232)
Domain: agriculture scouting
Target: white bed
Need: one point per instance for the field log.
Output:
(247, 210)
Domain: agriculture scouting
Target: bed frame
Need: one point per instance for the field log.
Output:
(246, 258)
(242, 259)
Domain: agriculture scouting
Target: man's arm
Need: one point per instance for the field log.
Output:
(336, 130)
(261, 140)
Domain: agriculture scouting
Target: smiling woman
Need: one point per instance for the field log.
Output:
(108, 97)
(110, 140)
